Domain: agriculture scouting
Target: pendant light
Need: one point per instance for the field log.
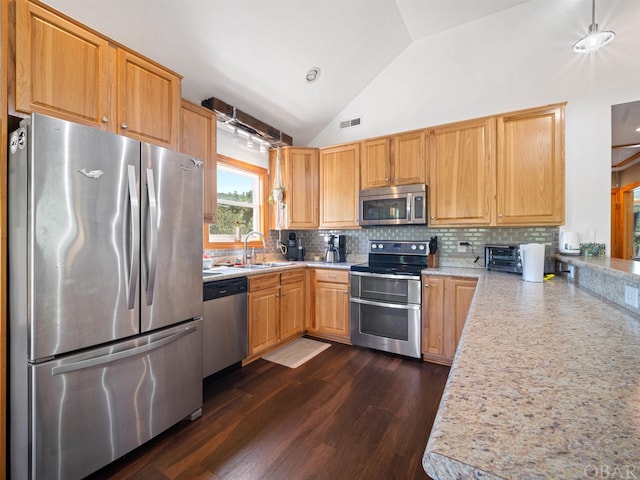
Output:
(594, 39)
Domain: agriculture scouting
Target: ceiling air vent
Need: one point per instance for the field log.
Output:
(354, 122)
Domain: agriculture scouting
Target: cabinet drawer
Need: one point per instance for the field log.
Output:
(292, 277)
(259, 282)
(332, 276)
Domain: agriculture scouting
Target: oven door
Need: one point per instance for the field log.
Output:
(390, 327)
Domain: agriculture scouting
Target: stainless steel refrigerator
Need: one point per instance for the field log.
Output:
(105, 296)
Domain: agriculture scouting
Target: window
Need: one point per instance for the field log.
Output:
(241, 203)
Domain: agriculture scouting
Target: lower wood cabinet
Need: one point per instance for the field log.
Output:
(276, 309)
(292, 304)
(331, 298)
(445, 304)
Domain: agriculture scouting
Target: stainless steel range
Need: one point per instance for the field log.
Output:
(385, 302)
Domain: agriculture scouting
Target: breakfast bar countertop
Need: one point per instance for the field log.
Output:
(545, 384)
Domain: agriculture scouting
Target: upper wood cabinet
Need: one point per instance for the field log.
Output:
(148, 100)
(198, 133)
(339, 186)
(62, 69)
(461, 168)
(66, 70)
(530, 167)
(300, 175)
(395, 160)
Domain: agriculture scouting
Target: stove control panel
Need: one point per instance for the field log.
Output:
(399, 247)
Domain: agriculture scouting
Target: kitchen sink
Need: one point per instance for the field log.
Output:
(253, 267)
(260, 266)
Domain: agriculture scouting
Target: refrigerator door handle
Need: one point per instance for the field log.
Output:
(113, 357)
(135, 238)
(153, 236)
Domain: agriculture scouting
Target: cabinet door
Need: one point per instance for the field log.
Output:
(461, 173)
(339, 186)
(375, 164)
(302, 200)
(62, 70)
(458, 296)
(292, 309)
(530, 169)
(263, 319)
(409, 163)
(198, 129)
(433, 318)
(332, 309)
(148, 100)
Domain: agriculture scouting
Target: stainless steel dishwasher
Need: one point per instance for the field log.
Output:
(225, 331)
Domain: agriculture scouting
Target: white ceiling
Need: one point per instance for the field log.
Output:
(254, 54)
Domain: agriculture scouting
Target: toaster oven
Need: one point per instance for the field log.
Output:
(503, 257)
(506, 258)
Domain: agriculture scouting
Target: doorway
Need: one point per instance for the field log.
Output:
(625, 222)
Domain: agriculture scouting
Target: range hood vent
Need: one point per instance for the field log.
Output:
(230, 115)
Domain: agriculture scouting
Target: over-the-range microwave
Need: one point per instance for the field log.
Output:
(401, 205)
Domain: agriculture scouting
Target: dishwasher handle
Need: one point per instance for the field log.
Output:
(224, 288)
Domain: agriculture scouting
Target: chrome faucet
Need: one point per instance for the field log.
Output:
(244, 250)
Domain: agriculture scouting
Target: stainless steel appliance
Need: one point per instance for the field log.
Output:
(336, 250)
(225, 336)
(401, 205)
(386, 296)
(105, 297)
(507, 258)
(503, 257)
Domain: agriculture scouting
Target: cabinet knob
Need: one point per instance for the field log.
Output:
(386, 179)
(433, 217)
(396, 179)
(282, 294)
(345, 292)
(500, 215)
(426, 285)
(124, 126)
(105, 119)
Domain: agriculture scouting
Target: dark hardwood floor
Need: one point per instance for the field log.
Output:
(349, 413)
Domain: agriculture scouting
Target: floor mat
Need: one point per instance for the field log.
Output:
(294, 354)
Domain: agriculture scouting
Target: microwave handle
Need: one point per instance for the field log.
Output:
(410, 206)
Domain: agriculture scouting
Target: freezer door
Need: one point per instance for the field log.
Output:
(77, 215)
(92, 408)
(171, 288)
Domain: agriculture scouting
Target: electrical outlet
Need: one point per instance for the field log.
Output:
(571, 272)
(631, 296)
(462, 247)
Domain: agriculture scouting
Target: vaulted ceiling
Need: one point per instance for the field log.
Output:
(254, 54)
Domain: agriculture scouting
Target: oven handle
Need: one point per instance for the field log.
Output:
(383, 275)
(410, 306)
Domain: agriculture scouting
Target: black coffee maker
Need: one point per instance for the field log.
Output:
(292, 247)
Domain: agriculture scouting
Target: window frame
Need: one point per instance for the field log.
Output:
(263, 175)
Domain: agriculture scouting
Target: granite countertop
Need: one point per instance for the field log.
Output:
(545, 384)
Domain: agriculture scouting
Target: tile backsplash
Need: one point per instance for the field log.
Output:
(448, 239)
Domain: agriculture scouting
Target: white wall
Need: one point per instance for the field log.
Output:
(497, 65)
